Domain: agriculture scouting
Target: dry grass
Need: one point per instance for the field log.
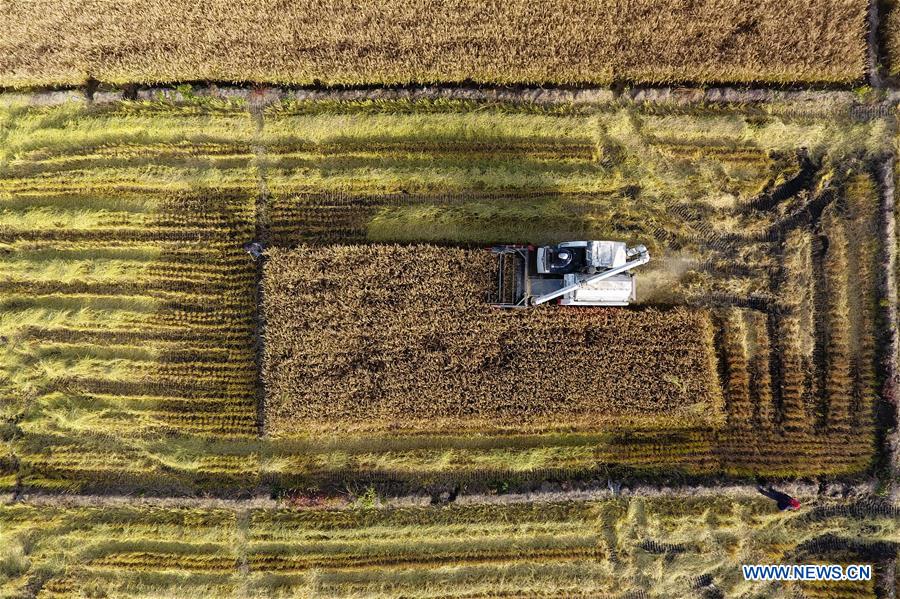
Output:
(48, 42)
(400, 338)
(545, 549)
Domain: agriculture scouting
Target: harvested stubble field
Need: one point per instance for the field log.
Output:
(130, 363)
(126, 302)
(475, 173)
(400, 338)
(610, 548)
(49, 42)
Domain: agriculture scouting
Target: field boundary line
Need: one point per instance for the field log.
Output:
(550, 95)
(73, 500)
(542, 95)
(873, 69)
(804, 490)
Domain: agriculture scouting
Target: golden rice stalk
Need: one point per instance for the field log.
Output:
(891, 27)
(362, 338)
(52, 42)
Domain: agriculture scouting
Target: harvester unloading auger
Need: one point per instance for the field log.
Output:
(578, 273)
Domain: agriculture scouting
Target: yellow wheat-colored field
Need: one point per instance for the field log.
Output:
(890, 29)
(400, 338)
(63, 42)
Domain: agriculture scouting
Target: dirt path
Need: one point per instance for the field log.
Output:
(873, 68)
(806, 491)
(78, 500)
(820, 101)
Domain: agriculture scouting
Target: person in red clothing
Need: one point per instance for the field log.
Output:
(785, 501)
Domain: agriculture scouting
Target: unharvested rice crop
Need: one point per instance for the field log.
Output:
(891, 34)
(53, 42)
(401, 338)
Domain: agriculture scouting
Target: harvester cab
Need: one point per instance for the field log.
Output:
(578, 273)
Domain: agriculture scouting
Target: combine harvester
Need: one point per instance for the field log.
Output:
(578, 273)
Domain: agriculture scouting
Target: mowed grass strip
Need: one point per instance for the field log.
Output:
(53, 42)
(401, 338)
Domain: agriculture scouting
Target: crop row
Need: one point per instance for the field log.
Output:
(839, 383)
(738, 405)
(458, 551)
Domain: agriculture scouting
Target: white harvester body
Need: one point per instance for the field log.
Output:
(576, 273)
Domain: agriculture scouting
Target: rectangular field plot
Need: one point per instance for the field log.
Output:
(390, 42)
(128, 334)
(562, 549)
(126, 301)
(765, 220)
(400, 338)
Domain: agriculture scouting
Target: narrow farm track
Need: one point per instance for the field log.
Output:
(815, 100)
(860, 494)
(891, 380)
(874, 55)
